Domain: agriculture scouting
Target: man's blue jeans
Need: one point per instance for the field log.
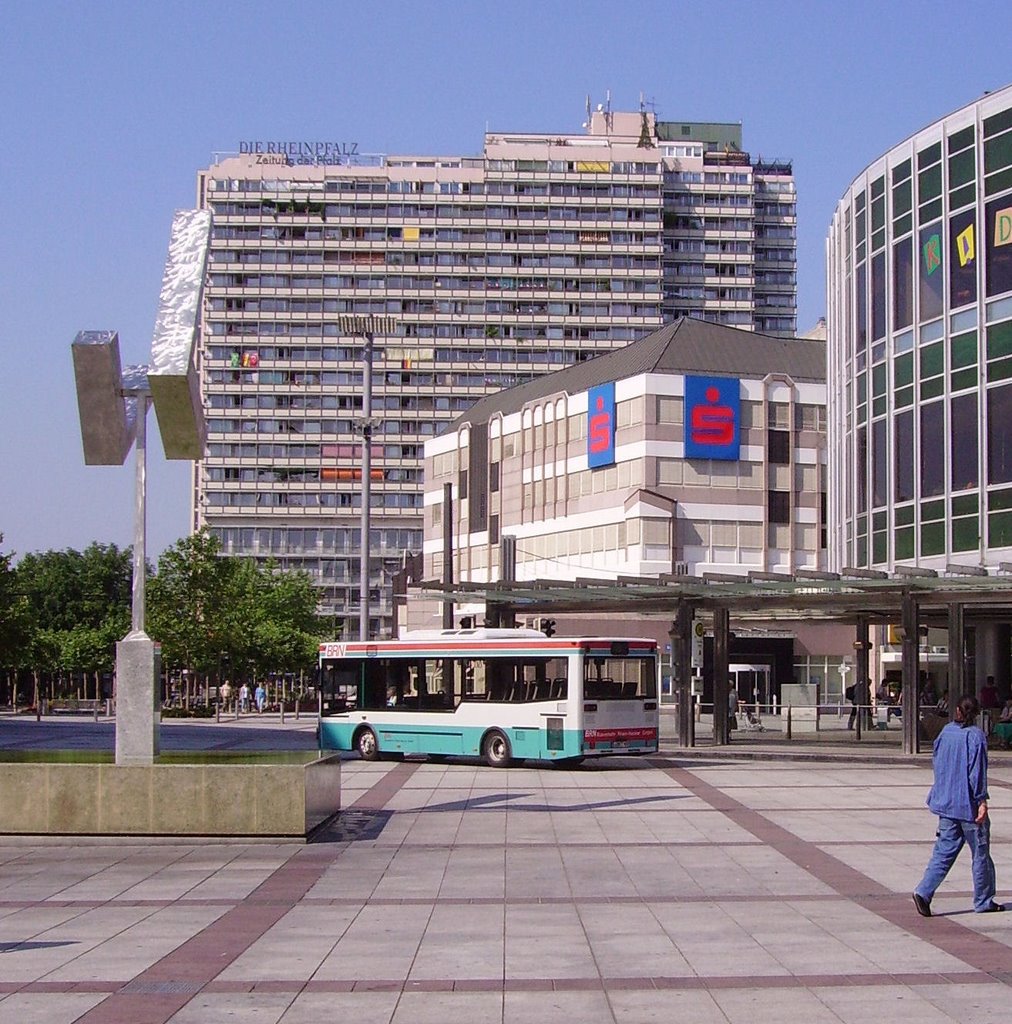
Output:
(951, 837)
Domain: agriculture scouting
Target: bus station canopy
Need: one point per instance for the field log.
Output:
(842, 597)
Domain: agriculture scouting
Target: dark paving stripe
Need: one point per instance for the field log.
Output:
(978, 951)
(168, 985)
(711, 983)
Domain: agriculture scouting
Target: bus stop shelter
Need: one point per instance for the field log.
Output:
(960, 599)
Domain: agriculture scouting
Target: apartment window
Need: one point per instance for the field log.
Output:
(778, 447)
(779, 506)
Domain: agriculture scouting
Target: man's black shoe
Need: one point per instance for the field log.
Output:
(995, 908)
(923, 906)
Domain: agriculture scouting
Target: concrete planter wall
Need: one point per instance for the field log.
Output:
(175, 800)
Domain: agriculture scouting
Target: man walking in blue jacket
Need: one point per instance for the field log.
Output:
(959, 798)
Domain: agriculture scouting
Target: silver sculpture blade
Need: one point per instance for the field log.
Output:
(107, 429)
(175, 390)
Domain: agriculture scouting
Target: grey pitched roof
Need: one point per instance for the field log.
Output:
(684, 346)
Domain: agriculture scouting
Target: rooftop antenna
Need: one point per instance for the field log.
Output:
(645, 139)
(607, 108)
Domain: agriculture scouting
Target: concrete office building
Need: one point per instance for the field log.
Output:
(920, 349)
(544, 251)
(699, 448)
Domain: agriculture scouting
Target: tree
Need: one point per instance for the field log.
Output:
(186, 599)
(68, 589)
(15, 621)
(208, 610)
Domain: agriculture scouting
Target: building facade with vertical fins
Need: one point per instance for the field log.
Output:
(919, 276)
(543, 251)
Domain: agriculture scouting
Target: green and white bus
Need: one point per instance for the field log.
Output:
(499, 694)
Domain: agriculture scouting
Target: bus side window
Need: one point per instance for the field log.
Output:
(375, 685)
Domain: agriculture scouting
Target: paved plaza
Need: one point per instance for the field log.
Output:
(679, 889)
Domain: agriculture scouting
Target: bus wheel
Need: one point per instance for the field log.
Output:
(496, 749)
(366, 745)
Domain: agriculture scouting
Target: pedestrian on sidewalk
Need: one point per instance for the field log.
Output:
(858, 695)
(959, 798)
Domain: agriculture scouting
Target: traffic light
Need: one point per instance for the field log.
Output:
(548, 627)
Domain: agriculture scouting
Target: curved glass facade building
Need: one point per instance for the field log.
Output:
(919, 318)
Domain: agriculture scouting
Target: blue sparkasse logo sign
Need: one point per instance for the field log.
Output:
(712, 418)
(601, 425)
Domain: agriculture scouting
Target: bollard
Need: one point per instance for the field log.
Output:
(95, 708)
(237, 709)
(217, 710)
(282, 712)
(857, 723)
(790, 708)
(298, 701)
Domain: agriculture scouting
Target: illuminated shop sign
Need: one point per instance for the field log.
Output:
(601, 425)
(291, 153)
(712, 418)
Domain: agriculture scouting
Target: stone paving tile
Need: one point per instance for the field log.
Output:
(449, 1008)
(557, 1007)
(247, 1007)
(546, 941)
(48, 1008)
(319, 1008)
(134, 948)
(461, 942)
(616, 893)
(968, 1004)
(664, 1007)
(380, 943)
(898, 1004)
(294, 948)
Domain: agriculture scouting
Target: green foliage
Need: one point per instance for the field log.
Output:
(64, 611)
(15, 622)
(77, 605)
(248, 618)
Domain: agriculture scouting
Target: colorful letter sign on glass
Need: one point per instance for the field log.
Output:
(964, 246)
(712, 418)
(933, 253)
(601, 425)
(1003, 227)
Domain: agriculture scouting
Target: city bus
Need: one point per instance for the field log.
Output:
(499, 694)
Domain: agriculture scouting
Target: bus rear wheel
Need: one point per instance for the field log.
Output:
(366, 745)
(496, 750)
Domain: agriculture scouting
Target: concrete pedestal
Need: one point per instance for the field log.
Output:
(138, 711)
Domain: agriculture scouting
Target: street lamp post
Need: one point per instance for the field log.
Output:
(366, 327)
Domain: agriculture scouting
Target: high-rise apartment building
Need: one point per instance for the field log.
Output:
(544, 251)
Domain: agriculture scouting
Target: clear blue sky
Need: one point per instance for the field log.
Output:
(108, 109)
